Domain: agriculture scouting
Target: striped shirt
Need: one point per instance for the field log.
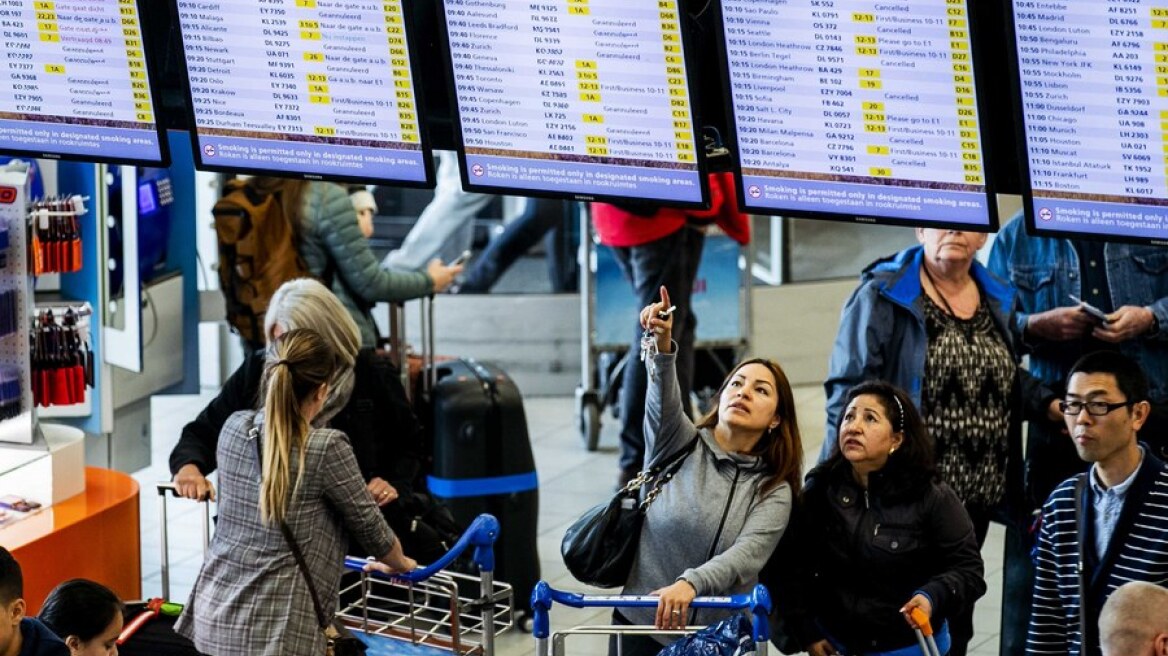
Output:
(1138, 551)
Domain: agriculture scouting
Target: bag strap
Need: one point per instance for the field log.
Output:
(321, 616)
(1080, 500)
(666, 473)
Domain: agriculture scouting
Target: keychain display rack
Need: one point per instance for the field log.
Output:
(62, 360)
(16, 403)
(55, 234)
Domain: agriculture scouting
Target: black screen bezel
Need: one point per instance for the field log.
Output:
(419, 104)
(695, 107)
(163, 160)
(1032, 226)
(983, 111)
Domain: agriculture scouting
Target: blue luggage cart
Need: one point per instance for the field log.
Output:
(432, 610)
(757, 602)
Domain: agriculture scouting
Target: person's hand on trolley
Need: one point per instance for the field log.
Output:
(190, 483)
(394, 562)
(673, 605)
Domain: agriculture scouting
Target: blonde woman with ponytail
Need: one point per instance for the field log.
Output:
(277, 469)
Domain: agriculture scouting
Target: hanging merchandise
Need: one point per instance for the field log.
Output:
(8, 312)
(62, 362)
(55, 242)
(10, 391)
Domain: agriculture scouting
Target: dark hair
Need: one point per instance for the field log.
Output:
(781, 448)
(1130, 379)
(81, 608)
(915, 453)
(11, 580)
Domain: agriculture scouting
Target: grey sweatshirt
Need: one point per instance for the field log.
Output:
(714, 494)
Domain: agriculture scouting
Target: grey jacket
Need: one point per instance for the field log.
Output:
(330, 233)
(709, 524)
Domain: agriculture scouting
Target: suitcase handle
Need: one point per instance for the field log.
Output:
(483, 532)
(757, 601)
(163, 488)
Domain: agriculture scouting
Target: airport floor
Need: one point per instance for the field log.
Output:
(571, 481)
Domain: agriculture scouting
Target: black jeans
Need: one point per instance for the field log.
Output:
(671, 261)
(540, 218)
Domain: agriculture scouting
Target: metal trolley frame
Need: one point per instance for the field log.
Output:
(432, 608)
(758, 602)
(597, 388)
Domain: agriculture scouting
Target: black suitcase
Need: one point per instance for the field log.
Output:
(483, 463)
(156, 637)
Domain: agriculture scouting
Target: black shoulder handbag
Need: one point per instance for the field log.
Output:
(341, 642)
(599, 548)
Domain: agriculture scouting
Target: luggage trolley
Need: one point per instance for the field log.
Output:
(428, 608)
(758, 602)
(721, 302)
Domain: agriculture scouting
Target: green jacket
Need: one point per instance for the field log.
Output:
(330, 234)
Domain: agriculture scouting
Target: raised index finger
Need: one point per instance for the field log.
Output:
(665, 296)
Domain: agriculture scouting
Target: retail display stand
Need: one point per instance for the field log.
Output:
(15, 364)
(41, 466)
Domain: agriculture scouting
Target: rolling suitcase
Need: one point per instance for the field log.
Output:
(156, 637)
(483, 463)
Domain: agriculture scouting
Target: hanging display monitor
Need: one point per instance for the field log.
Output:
(1093, 83)
(307, 88)
(76, 83)
(857, 110)
(583, 99)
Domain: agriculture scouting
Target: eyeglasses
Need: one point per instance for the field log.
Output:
(1094, 408)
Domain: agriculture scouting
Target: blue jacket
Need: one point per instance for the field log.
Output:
(882, 336)
(38, 640)
(882, 331)
(1046, 272)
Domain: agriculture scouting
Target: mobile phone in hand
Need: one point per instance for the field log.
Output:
(1090, 309)
(461, 259)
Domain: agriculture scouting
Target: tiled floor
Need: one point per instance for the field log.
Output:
(571, 480)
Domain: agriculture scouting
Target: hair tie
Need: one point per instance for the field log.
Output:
(288, 364)
(900, 410)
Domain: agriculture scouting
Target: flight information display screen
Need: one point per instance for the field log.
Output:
(577, 98)
(854, 108)
(76, 82)
(1093, 78)
(316, 88)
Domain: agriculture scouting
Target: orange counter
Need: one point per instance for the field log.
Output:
(94, 535)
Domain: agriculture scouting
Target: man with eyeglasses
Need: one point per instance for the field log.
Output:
(1108, 525)
(1125, 283)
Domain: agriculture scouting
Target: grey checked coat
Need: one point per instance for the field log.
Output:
(250, 598)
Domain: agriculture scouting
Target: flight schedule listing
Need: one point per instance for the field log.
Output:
(76, 81)
(586, 97)
(306, 86)
(857, 107)
(1094, 81)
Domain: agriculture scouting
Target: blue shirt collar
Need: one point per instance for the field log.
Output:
(1119, 490)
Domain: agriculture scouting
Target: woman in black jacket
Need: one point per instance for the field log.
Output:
(882, 534)
(366, 402)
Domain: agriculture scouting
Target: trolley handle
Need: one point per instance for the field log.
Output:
(168, 486)
(757, 601)
(483, 532)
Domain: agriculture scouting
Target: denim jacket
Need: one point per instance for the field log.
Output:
(1046, 270)
(882, 331)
